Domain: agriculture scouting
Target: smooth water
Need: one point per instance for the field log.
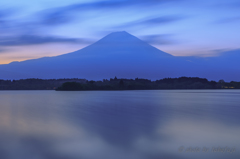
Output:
(158, 124)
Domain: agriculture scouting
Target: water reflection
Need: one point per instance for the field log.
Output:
(119, 119)
(118, 124)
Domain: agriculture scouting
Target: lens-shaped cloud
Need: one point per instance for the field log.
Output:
(152, 21)
(159, 39)
(35, 39)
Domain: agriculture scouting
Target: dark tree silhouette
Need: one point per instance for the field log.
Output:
(121, 84)
(116, 84)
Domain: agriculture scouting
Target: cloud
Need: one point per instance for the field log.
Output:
(153, 21)
(230, 4)
(34, 39)
(119, 3)
(109, 4)
(66, 14)
(2, 14)
(5, 13)
(229, 20)
(56, 18)
(159, 39)
(162, 20)
(2, 50)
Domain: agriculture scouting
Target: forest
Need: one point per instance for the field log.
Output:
(36, 84)
(145, 84)
(116, 84)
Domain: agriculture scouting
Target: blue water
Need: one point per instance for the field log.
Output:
(156, 124)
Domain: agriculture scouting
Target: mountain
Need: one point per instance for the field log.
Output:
(117, 54)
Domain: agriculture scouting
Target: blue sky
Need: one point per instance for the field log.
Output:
(32, 29)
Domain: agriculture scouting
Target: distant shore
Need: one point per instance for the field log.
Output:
(36, 84)
(145, 84)
(75, 84)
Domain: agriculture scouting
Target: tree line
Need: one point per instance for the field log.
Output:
(36, 84)
(145, 84)
(116, 84)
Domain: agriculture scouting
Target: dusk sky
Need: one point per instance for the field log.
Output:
(33, 29)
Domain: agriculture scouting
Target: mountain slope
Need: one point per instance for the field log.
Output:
(117, 54)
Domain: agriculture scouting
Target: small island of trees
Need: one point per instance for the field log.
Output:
(145, 84)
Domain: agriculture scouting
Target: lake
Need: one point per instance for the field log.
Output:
(150, 124)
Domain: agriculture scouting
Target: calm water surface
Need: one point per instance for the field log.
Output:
(163, 124)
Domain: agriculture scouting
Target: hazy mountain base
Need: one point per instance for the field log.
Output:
(145, 84)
